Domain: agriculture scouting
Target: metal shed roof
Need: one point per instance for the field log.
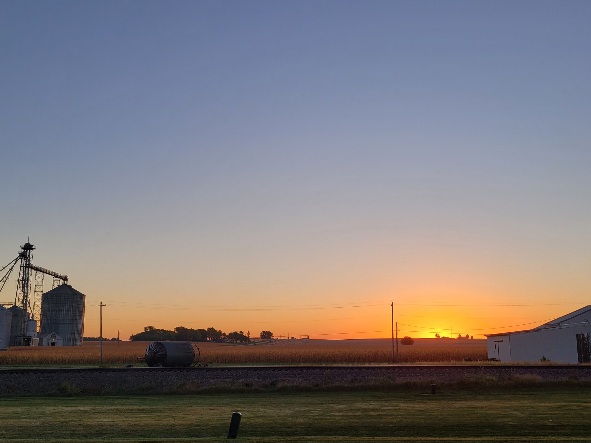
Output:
(556, 323)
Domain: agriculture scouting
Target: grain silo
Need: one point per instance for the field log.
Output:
(62, 313)
(5, 324)
(18, 331)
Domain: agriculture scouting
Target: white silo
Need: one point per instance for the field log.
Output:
(5, 325)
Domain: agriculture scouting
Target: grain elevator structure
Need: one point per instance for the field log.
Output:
(52, 318)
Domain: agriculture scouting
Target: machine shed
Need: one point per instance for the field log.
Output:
(563, 340)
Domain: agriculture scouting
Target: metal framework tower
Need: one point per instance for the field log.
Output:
(29, 309)
(24, 280)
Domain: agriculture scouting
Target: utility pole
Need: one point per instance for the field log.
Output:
(101, 330)
(392, 304)
(397, 338)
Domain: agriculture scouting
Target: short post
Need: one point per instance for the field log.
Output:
(433, 388)
(234, 424)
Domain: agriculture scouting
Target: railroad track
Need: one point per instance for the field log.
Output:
(406, 368)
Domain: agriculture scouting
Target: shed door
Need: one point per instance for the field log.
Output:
(502, 352)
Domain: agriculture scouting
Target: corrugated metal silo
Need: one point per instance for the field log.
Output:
(17, 328)
(5, 324)
(62, 312)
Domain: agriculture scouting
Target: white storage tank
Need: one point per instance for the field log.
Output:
(31, 332)
(5, 325)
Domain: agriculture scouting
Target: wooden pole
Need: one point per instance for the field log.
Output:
(101, 330)
(396, 338)
(392, 304)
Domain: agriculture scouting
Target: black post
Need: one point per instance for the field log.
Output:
(234, 424)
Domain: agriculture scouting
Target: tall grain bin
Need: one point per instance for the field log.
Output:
(5, 324)
(62, 313)
(20, 317)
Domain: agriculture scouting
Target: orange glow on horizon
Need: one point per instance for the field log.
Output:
(371, 321)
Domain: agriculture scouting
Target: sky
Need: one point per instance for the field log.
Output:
(299, 166)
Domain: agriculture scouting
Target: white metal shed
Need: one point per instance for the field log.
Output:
(563, 340)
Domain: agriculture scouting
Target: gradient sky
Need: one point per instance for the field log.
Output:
(298, 166)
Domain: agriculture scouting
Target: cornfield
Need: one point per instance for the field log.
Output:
(262, 352)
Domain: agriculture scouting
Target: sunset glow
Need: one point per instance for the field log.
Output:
(299, 166)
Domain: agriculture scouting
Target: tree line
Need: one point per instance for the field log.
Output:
(180, 333)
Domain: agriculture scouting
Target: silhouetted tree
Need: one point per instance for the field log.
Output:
(213, 334)
(406, 340)
(266, 335)
(238, 337)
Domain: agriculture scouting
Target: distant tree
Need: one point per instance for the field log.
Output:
(187, 334)
(238, 337)
(183, 334)
(437, 335)
(213, 334)
(152, 334)
(201, 335)
(180, 333)
(406, 340)
(266, 335)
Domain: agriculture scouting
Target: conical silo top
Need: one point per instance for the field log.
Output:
(63, 290)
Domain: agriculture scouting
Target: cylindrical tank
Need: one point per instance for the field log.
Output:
(31, 328)
(5, 324)
(18, 326)
(170, 354)
(62, 313)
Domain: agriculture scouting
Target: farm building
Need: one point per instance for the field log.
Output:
(51, 339)
(563, 340)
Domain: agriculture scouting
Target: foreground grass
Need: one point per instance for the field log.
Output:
(537, 414)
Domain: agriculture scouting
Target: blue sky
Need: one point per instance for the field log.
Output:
(274, 165)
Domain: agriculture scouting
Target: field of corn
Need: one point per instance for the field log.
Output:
(280, 352)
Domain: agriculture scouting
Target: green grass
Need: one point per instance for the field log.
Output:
(535, 414)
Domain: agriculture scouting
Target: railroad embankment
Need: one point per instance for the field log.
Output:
(120, 381)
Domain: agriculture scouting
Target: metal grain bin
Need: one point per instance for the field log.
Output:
(5, 324)
(20, 317)
(62, 313)
(170, 354)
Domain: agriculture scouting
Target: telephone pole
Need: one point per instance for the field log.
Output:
(101, 330)
(392, 305)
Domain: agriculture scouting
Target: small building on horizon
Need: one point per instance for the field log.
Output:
(563, 340)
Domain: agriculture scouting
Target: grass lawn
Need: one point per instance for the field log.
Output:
(535, 414)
